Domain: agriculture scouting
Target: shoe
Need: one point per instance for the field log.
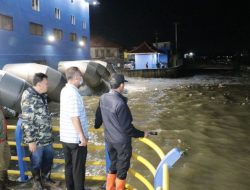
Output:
(38, 184)
(51, 184)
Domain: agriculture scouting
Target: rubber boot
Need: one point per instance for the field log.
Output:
(120, 184)
(110, 185)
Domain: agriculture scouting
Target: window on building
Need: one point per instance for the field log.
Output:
(36, 29)
(73, 20)
(84, 39)
(35, 5)
(57, 13)
(102, 53)
(84, 25)
(58, 33)
(96, 53)
(108, 53)
(6, 22)
(72, 37)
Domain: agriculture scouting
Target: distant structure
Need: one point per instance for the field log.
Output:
(44, 32)
(145, 56)
(101, 48)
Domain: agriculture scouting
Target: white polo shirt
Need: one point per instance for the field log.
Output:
(71, 105)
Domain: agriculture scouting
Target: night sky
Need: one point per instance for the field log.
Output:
(205, 26)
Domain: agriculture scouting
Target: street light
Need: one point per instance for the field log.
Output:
(93, 2)
(51, 38)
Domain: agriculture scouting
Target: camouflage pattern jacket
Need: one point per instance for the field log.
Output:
(36, 120)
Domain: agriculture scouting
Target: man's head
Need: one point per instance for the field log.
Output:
(40, 83)
(74, 76)
(117, 81)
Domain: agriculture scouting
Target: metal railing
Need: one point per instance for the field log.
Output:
(161, 174)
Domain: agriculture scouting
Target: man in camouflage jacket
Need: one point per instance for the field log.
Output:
(37, 131)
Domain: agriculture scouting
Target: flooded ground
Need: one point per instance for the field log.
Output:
(207, 116)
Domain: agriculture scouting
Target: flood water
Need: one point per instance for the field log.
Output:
(206, 116)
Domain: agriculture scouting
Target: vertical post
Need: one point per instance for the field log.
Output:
(20, 151)
(165, 177)
(176, 36)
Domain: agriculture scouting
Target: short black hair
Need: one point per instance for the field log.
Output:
(71, 72)
(38, 77)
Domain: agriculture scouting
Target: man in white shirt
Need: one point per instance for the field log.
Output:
(73, 130)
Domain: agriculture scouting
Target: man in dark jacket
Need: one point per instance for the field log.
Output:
(115, 114)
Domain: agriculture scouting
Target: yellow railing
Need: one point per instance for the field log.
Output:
(92, 147)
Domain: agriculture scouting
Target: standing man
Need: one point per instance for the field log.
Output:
(37, 131)
(4, 152)
(73, 130)
(115, 114)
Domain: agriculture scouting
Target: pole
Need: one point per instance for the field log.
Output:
(176, 36)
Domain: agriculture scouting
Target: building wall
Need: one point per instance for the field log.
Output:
(104, 52)
(18, 45)
(142, 59)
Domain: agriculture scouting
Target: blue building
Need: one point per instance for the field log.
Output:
(44, 31)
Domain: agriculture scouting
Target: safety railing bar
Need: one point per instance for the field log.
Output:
(145, 162)
(129, 187)
(57, 128)
(59, 146)
(61, 161)
(141, 178)
(154, 146)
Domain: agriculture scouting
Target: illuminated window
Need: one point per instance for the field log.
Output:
(57, 13)
(84, 25)
(73, 20)
(35, 5)
(6, 22)
(84, 39)
(36, 29)
(58, 33)
(72, 37)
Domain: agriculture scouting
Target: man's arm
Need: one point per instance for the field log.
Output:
(77, 125)
(29, 129)
(98, 117)
(125, 119)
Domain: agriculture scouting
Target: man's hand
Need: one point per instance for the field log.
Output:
(83, 141)
(32, 147)
(149, 133)
(146, 133)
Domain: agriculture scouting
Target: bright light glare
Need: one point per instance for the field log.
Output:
(94, 2)
(191, 54)
(51, 38)
(81, 43)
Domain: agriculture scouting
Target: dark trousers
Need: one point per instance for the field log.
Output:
(75, 160)
(119, 155)
(41, 160)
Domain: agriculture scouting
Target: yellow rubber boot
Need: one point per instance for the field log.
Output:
(120, 184)
(110, 184)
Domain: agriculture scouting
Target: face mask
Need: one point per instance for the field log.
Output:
(81, 82)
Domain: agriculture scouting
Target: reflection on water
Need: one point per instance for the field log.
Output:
(206, 116)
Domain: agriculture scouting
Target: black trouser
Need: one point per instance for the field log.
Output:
(75, 160)
(119, 155)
